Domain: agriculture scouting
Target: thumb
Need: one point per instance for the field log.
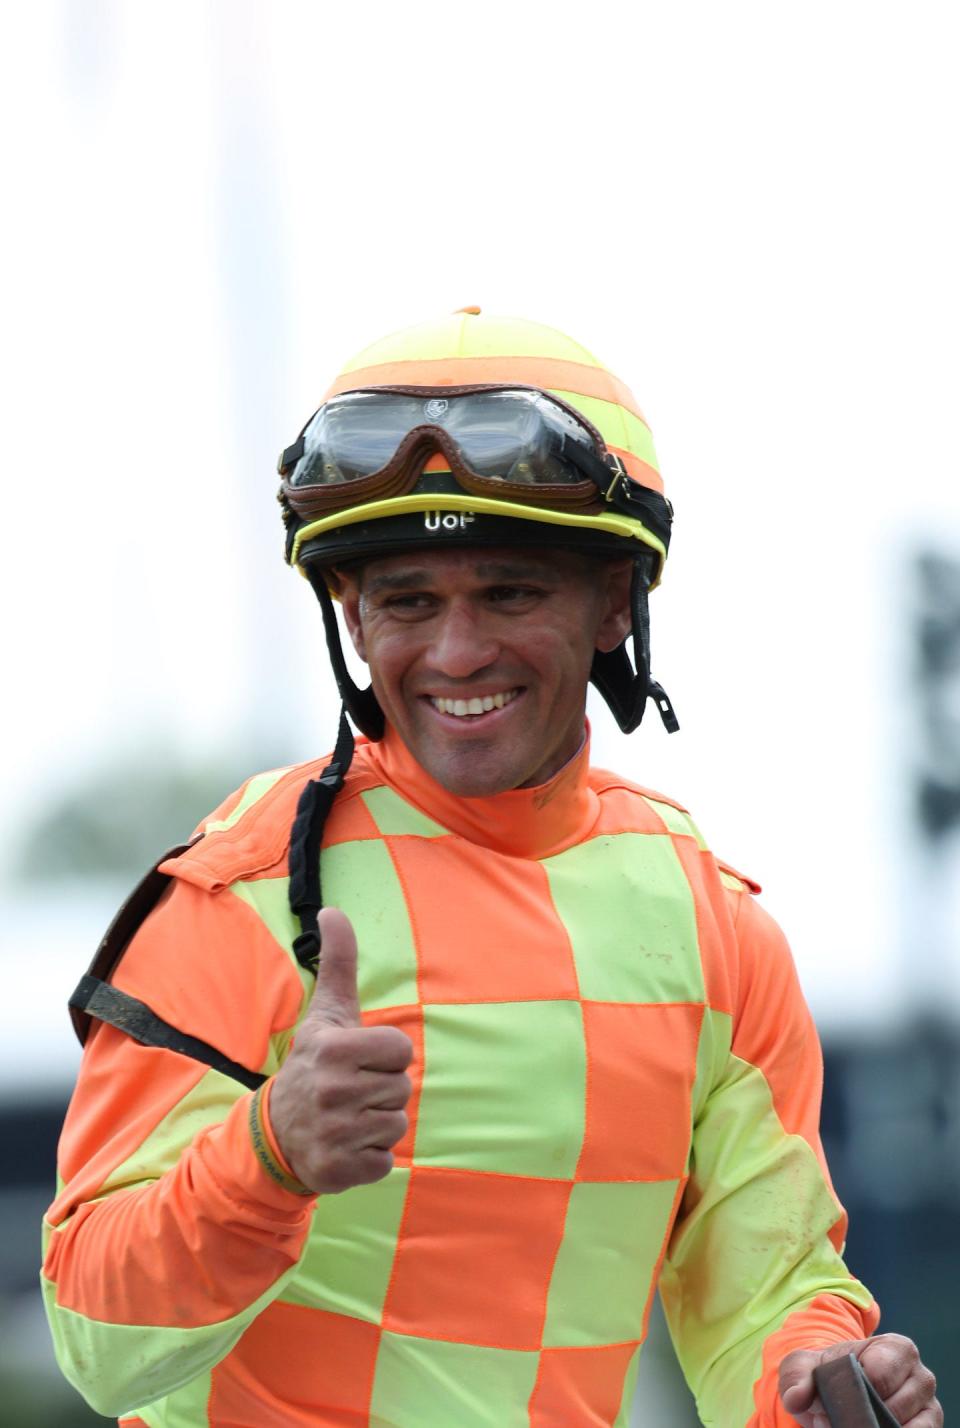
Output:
(335, 1001)
(797, 1388)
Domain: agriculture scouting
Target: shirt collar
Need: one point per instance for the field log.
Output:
(522, 822)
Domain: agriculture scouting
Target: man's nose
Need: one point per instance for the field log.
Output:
(462, 642)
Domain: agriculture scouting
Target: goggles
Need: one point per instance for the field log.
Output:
(374, 457)
(508, 442)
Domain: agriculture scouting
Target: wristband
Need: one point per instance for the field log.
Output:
(264, 1152)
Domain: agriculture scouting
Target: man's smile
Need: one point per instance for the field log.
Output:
(477, 704)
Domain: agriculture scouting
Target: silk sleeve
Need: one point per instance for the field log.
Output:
(754, 1267)
(167, 1237)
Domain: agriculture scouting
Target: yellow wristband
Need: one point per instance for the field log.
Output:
(264, 1152)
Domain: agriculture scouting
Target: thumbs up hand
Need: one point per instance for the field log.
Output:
(337, 1103)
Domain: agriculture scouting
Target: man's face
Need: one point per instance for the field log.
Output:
(480, 658)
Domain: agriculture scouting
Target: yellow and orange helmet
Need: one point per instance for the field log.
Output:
(477, 430)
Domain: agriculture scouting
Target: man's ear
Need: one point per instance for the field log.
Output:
(350, 605)
(616, 617)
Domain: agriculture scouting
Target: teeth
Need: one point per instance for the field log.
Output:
(463, 707)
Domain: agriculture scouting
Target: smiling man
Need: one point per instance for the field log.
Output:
(422, 1156)
(480, 660)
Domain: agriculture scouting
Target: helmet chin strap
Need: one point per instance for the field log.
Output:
(360, 704)
(625, 689)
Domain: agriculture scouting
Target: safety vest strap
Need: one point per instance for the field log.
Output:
(95, 998)
(133, 911)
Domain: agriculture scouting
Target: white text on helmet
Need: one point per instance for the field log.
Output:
(447, 520)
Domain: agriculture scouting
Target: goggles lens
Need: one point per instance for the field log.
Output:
(510, 435)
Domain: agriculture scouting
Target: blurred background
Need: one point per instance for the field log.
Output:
(749, 212)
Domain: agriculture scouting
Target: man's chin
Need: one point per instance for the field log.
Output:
(469, 773)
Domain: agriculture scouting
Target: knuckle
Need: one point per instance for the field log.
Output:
(379, 1163)
(314, 1046)
(351, 1167)
(339, 1043)
(396, 1126)
(367, 1166)
(885, 1353)
(397, 1042)
(326, 1096)
(795, 1365)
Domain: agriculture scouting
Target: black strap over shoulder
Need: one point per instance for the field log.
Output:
(96, 999)
(133, 911)
(306, 836)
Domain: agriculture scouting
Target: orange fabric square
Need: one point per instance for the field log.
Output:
(582, 1386)
(296, 1367)
(641, 1063)
(715, 935)
(484, 924)
(349, 819)
(474, 1257)
(410, 1020)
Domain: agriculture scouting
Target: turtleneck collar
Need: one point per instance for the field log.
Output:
(523, 822)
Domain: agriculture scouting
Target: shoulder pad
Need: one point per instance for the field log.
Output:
(739, 882)
(253, 836)
(604, 778)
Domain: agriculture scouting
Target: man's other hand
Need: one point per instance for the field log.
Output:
(892, 1364)
(337, 1103)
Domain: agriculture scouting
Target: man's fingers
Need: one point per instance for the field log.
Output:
(335, 1001)
(385, 1092)
(385, 1048)
(382, 1129)
(888, 1361)
(908, 1388)
(377, 1050)
(891, 1362)
(363, 1168)
(797, 1389)
(916, 1406)
(337, 1103)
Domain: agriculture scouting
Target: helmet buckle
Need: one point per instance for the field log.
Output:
(619, 475)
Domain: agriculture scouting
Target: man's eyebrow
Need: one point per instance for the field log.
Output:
(419, 577)
(505, 570)
(398, 580)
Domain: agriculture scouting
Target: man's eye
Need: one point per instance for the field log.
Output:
(408, 602)
(511, 594)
